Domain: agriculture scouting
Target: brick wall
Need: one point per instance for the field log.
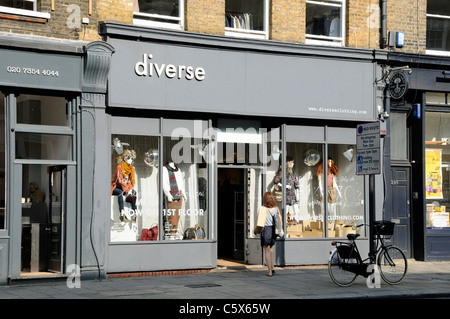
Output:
(409, 16)
(66, 15)
(205, 16)
(287, 20)
(363, 23)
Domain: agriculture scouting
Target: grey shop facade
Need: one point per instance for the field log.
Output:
(197, 127)
(46, 89)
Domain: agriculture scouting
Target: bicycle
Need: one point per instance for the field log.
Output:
(345, 262)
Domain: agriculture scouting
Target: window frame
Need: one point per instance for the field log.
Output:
(153, 19)
(252, 34)
(327, 40)
(437, 52)
(26, 12)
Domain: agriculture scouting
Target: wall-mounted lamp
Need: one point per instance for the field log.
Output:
(382, 114)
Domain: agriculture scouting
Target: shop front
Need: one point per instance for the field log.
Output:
(41, 85)
(199, 127)
(419, 157)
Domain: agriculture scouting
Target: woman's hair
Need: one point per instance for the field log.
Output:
(269, 200)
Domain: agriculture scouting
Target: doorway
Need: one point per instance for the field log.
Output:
(43, 207)
(401, 208)
(231, 213)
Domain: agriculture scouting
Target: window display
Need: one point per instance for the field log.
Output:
(141, 210)
(437, 177)
(318, 204)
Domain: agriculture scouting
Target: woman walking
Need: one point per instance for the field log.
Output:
(268, 236)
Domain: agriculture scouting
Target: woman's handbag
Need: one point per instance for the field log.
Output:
(260, 220)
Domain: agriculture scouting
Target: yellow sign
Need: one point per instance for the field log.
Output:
(433, 173)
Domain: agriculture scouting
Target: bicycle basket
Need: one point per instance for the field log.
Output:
(347, 251)
(384, 227)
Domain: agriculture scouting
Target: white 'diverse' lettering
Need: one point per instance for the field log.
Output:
(147, 68)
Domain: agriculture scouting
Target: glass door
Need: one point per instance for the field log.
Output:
(56, 216)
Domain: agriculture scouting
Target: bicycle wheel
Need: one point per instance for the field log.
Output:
(392, 264)
(340, 276)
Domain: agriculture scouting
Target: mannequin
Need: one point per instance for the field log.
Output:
(123, 181)
(36, 196)
(173, 187)
(332, 188)
(291, 185)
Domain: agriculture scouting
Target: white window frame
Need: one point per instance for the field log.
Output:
(438, 52)
(252, 34)
(154, 23)
(327, 40)
(26, 13)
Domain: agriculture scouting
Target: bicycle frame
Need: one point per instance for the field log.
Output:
(360, 266)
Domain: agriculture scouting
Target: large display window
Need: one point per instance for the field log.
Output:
(317, 184)
(159, 188)
(437, 168)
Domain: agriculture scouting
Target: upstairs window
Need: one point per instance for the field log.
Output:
(438, 27)
(22, 8)
(166, 14)
(247, 19)
(325, 22)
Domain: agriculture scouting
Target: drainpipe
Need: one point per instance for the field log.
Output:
(383, 18)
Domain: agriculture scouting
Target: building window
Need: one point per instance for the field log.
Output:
(318, 205)
(437, 169)
(399, 136)
(325, 22)
(248, 19)
(22, 8)
(438, 27)
(158, 195)
(166, 14)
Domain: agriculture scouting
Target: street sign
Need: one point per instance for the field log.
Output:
(368, 149)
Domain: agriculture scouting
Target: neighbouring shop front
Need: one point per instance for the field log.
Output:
(197, 128)
(419, 160)
(42, 113)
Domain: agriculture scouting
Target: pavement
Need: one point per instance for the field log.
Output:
(240, 285)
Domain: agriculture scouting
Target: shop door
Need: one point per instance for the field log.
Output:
(43, 205)
(55, 226)
(401, 207)
(239, 196)
(231, 214)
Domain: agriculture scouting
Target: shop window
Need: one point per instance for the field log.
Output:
(399, 137)
(43, 146)
(438, 27)
(159, 198)
(22, 8)
(247, 18)
(2, 163)
(325, 22)
(318, 204)
(167, 14)
(437, 170)
(42, 110)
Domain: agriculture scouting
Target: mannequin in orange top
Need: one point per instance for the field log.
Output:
(124, 179)
(332, 188)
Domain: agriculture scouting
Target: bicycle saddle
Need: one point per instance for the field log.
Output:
(352, 236)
